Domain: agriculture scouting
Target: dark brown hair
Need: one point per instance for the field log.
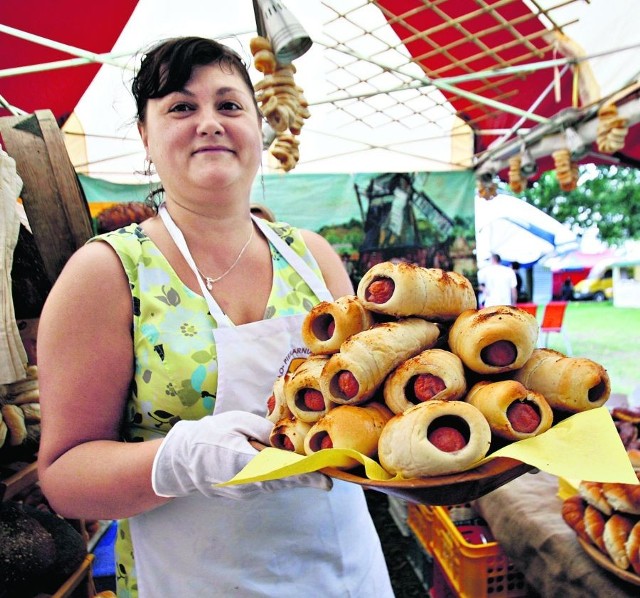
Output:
(167, 66)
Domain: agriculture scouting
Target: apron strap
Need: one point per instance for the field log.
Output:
(317, 285)
(297, 263)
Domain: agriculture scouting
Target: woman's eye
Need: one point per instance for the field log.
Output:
(230, 105)
(180, 108)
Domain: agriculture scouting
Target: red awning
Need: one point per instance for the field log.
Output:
(90, 26)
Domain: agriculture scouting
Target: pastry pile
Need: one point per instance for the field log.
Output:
(281, 101)
(410, 372)
(608, 515)
(20, 417)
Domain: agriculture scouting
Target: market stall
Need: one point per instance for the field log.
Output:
(59, 219)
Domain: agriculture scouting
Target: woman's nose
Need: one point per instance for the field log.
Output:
(209, 122)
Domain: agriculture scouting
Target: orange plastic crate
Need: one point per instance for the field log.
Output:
(472, 570)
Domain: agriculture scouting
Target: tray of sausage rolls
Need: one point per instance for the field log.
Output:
(411, 373)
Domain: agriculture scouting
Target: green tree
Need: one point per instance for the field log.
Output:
(607, 197)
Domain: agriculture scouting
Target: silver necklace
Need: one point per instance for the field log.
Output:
(209, 281)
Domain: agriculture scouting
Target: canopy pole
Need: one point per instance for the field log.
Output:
(37, 39)
(60, 64)
(447, 87)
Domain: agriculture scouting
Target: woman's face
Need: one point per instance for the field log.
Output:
(206, 136)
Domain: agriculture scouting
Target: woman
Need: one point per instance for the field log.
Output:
(168, 336)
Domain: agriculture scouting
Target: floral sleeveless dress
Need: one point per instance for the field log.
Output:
(175, 355)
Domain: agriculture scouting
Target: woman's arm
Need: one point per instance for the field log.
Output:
(85, 367)
(333, 270)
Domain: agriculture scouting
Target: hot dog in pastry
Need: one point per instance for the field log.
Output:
(288, 434)
(494, 339)
(302, 391)
(329, 324)
(405, 289)
(277, 407)
(434, 438)
(349, 426)
(432, 374)
(570, 384)
(353, 375)
(513, 412)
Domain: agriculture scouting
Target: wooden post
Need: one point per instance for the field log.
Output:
(53, 200)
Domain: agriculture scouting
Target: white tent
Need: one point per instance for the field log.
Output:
(518, 231)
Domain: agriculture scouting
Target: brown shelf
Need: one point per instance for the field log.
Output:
(19, 481)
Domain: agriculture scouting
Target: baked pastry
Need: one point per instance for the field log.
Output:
(353, 375)
(623, 497)
(432, 374)
(329, 324)
(434, 438)
(632, 547)
(405, 289)
(349, 427)
(494, 339)
(277, 407)
(573, 514)
(288, 434)
(594, 522)
(305, 399)
(592, 493)
(13, 417)
(616, 532)
(570, 384)
(513, 412)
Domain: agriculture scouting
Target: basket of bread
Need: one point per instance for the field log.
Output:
(413, 377)
(606, 516)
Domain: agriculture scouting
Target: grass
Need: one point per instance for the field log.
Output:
(607, 334)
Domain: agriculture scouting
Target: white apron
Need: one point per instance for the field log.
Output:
(291, 543)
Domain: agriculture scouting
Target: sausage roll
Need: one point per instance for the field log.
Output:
(513, 412)
(277, 407)
(404, 289)
(288, 434)
(432, 374)
(355, 373)
(494, 339)
(570, 384)
(329, 324)
(434, 438)
(349, 426)
(302, 391)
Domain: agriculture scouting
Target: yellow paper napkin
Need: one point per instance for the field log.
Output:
(584, 446)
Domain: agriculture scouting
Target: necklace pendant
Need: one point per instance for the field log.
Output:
(209, 282)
